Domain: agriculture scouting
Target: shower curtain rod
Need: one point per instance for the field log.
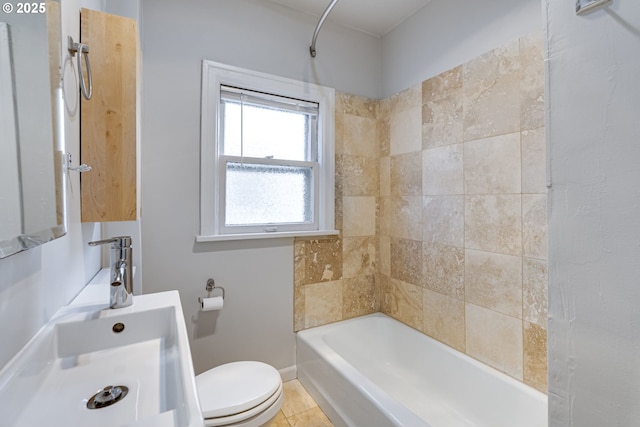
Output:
(312, 48)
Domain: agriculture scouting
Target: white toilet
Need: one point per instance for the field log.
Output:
(240, 394)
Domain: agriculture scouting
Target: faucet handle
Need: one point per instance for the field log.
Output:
(122, 241)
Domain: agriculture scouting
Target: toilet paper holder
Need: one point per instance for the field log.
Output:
(210, 288)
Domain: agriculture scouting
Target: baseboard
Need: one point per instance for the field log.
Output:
(289, 373)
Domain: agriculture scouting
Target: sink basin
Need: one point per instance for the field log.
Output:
(86, 348)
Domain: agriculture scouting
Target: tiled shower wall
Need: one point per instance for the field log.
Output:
(441, 203)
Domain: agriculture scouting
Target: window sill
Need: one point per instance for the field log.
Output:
(254, 236)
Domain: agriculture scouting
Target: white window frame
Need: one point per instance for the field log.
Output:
(212, 161)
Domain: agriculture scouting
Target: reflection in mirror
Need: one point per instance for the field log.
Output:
(31, 184)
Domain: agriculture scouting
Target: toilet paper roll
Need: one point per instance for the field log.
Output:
(211, 304)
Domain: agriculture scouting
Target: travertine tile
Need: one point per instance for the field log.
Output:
(406, 131)
(384, 128)
(494, 281)
(495, 339)
(338, 132)
(534, 161)
(442, 170)
(384, 256)
(360, 296)
(402, 301)
(442, 121)
(279, 421)
(339, 213)
(493, 223)
(360, 136)
(534, 278)
(443, 220)
(532, 81)
(311, 417)
(442, 85)
(405, 100)
(492, 165)
(298, 308)
(322, 303)
(356, 105)
(491, 93)
(405, 217)
(444, 319)
(359, 216)
(323, 260)
(385, 176)
(299, 274)
(356, 176)
(443, 269)
(296, 399)
(534, 225)
(406, 174)
(358, 256)
(535, 356)
(406, 260)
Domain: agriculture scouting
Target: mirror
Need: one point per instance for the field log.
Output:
(31, 144)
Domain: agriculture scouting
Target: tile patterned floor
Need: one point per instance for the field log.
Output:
(299, 409)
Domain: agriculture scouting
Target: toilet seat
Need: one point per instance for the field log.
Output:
(237, 391)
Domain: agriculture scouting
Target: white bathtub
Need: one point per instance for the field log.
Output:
(373, 371)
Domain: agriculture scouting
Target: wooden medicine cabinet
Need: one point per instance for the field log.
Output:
(108, 128)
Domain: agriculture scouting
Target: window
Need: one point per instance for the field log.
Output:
(267, 156)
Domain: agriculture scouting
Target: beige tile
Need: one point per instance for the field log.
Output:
(443, 269)
(299, 262)
(442, 85)
(492, 165)
(356, 176)
(495, 339)
(384, 128)
(339, 208)
(534, 175)
(298, 308)
(532, 81)
(534, 225)
(406, 260)
(339, 132)
(534, 292)
(359, 216)
(406, 131)
(384, 211)
(444, 319)
(360, 296)
(296, 399)
(535, 356)
(384, 256)
(323, 260)
(322, 303)
(442, 121)
(311, 417)
(279, 421)
(360, 136)
(356, 105)
(406, 100)
(359, 256)
(402, 301)
(442, 170)
(443, 220)
(494, 281)
(493, 223)
(406, 174)
(385, 176)
(491, 93)
(405, 217)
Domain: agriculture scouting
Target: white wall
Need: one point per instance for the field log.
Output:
(257, 320)
(594, 222)
(36, 283)
(447, 33)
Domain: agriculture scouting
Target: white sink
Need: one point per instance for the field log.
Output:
(78, 353)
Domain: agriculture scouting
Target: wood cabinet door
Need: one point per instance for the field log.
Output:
(108, 120)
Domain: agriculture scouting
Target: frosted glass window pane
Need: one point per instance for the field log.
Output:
(268, 132)
(266, 194)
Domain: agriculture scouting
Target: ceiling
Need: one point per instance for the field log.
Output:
(376, 17)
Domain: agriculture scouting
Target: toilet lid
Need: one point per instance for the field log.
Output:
(236, 387)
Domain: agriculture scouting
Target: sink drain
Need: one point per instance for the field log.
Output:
(107, 396)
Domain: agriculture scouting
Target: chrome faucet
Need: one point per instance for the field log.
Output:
(121, 270)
